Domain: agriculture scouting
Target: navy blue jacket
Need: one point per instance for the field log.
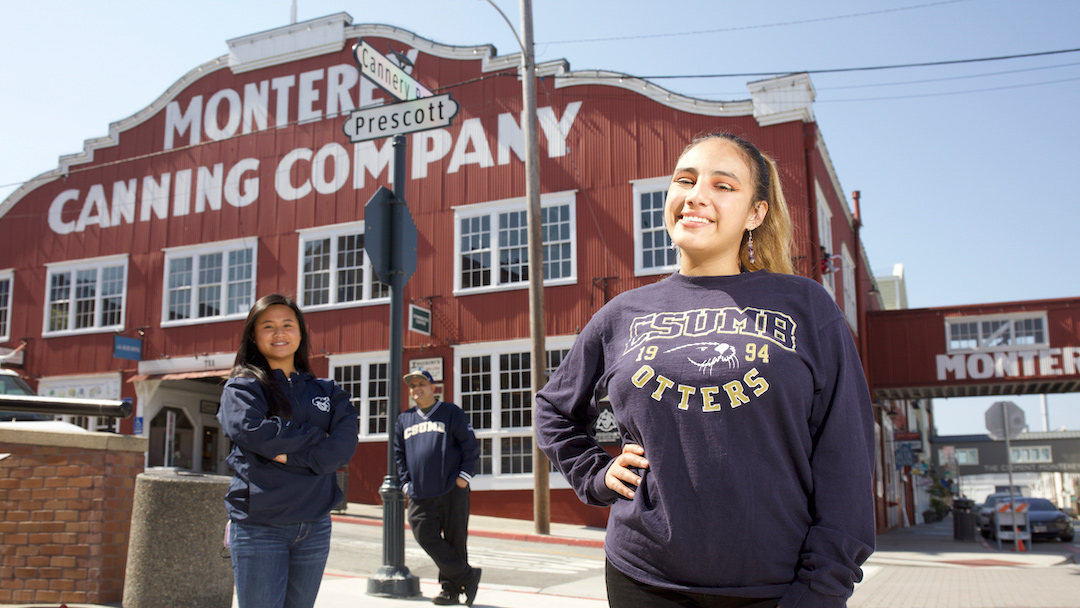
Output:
(318, 440)
(432, 450)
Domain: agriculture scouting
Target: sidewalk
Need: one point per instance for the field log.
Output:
(920, 566)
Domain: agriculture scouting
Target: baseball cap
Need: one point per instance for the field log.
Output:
(419, 373)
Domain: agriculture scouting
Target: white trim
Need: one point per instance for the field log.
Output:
(825, 235)
(1011, 317)
(363, 360)
(194, 251)
(7, 274)
(493, 209)
(851, 301)
(287, 44)
(640, 187)
(72, 267)
(331, 233)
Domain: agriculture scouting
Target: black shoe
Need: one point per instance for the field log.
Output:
(472, 584)
(445, 598)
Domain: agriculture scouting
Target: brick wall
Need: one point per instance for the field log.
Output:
(67, 501)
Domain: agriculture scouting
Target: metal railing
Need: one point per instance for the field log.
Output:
(76, 407)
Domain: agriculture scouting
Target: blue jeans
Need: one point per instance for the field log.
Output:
(279, 566)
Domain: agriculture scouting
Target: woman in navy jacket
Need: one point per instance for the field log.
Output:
(291, 432)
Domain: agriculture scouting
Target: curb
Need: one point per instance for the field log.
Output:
(518, 536)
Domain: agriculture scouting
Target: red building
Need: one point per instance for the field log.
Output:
(129, 269)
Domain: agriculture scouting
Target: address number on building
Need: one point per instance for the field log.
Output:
(398, 118)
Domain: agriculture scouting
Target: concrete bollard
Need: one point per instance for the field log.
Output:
(174, 553)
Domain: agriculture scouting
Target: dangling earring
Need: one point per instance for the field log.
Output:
(750, 247)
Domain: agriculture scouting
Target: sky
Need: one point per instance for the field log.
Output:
(967, 171)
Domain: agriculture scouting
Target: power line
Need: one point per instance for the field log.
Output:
(1002, 88)
(860, 69)
(755, 27)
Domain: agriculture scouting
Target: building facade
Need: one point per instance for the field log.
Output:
(128, 270)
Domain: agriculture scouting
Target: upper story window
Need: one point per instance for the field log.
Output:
(366, 378)
(335, 269)
(85, 296)
(1031, 454)
(653, 253)
(825, 238)
(851, 302)
(491, 244)
(1020, 330)
(211, 282)
(494, 387)
(7, 281)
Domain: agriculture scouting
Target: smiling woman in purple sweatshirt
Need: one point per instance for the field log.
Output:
(747, 466)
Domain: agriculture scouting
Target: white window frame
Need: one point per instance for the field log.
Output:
(7, 276)
(73, 267)
(493, 209)
(851, 301)
(640, 188)
(497, 480)
(1017, 453)
(332, 233)
(194, 251)
(362, 402)
(825, 236)
(967, 456)
(981, 339)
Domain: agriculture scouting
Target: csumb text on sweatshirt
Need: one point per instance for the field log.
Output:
(432, 449)
(748, 396)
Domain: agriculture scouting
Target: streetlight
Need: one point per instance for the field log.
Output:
(541, 497)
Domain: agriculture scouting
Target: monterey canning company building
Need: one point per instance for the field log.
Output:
(127, 271)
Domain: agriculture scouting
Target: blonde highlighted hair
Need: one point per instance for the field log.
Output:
(773, 240)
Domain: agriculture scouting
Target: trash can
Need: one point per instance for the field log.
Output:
(343, 483)
(174, 551)
(963, 510)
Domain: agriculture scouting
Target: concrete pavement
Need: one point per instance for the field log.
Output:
(916, 567)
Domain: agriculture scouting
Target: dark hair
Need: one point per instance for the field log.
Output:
(251, 363)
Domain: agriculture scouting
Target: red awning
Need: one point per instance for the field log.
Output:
(203, 373)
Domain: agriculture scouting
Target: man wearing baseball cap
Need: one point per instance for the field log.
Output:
(437, 453)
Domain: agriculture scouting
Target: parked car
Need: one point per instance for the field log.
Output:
(1046, 521)
(985, 510)
(12, 384)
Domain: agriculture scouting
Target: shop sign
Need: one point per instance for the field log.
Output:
(127, 348)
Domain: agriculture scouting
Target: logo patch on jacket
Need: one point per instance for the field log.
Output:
(323, 403)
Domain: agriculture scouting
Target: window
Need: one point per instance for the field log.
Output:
(85, 296)
(213, 282)
(495, 390)
(335, 269)
(366, 378)
(1032, 454)
(967, 456)
(1022, 330)
(824, 223)
(7, 279)
(491, 244)
(653, 253)
(851, 304)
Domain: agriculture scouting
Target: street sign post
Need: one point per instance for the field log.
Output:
(1005, 419)
(387, 75)
(400, 118)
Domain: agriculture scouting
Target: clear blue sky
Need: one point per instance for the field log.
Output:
(967, 172)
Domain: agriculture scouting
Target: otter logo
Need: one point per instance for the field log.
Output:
(713, 353)
(323, 403)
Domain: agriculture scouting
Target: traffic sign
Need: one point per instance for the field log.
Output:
(400, 118)
(390, 237)
(387, 75)
(996, 417)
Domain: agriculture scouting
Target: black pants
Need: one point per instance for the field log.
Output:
(441, 526)
(625, 592)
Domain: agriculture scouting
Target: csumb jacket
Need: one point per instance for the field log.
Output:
(433, 449)
(320, 438)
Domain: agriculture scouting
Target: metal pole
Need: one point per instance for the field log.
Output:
(541, 496)
(1008, 465)
(393, 579)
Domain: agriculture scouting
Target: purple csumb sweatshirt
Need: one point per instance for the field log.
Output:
(749, 398)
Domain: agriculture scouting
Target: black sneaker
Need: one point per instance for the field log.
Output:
(445, 598)
(472, 584)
